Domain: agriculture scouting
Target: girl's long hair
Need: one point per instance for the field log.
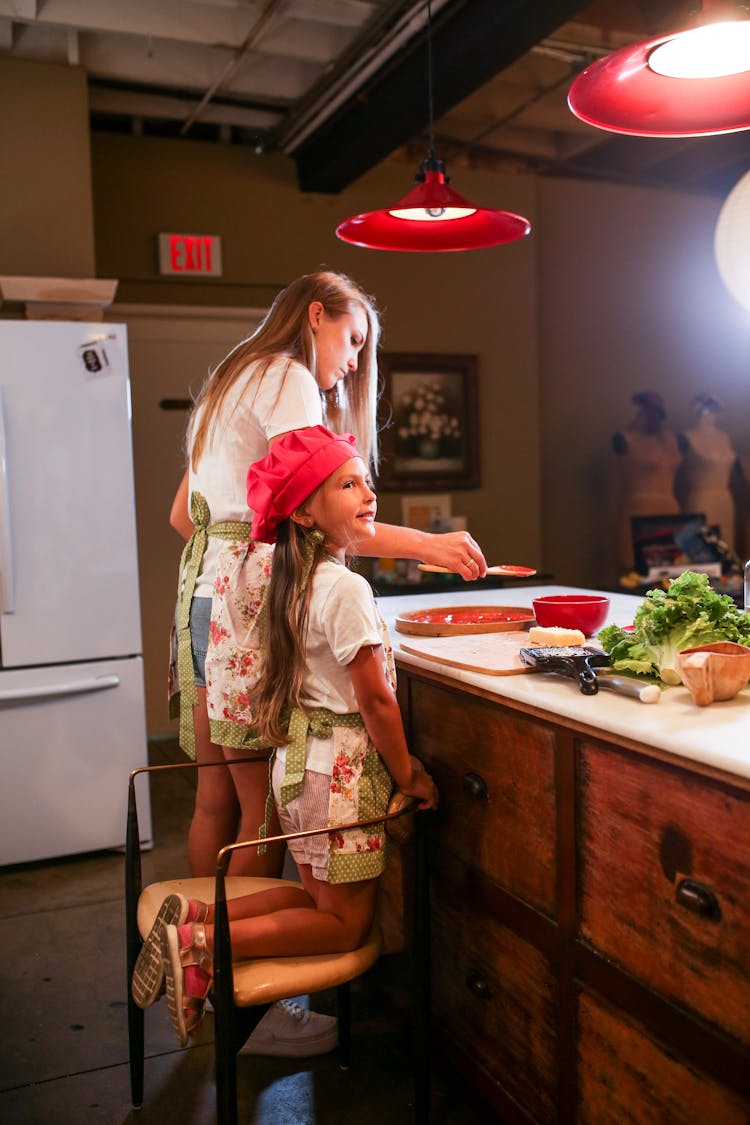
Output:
(286, 610)
(286, 332)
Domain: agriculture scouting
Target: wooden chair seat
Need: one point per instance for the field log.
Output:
(265, 980)
(244, 990)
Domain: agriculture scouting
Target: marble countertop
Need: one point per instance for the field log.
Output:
(717, 736)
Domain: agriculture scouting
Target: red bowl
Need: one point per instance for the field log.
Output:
(586, 612)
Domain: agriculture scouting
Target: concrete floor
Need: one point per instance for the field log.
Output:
(64, 1056)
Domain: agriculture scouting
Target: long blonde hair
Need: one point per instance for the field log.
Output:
(286, 611)
(286, 332)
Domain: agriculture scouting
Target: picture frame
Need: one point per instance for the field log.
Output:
(665, 546)
(424, 512)
(428, 421)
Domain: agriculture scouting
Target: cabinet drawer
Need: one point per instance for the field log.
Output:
(665, 881)
(495, 995)
(624, 1075)
(496, 774)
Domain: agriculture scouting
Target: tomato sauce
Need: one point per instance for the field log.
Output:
(467, 617)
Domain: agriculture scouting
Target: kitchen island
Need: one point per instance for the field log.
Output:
(590, 889)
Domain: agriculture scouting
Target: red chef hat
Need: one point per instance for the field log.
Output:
(290, 472)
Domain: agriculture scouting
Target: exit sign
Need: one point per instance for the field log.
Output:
(190, 255)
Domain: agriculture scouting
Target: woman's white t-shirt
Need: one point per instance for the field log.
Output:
(254, 412)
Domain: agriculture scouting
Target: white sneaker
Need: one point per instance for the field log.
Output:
(287, 1029)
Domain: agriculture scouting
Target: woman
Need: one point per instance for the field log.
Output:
(312, 361)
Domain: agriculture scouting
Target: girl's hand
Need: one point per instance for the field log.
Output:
(421, 785)
(457, 551)
(380, 711)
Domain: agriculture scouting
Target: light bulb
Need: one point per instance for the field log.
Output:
(732, 242)
(432, 214)
(714, 51)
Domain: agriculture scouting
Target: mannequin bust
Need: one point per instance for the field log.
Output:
(709, 460)
(648, 455)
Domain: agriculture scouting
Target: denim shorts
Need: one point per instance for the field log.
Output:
(200, 619)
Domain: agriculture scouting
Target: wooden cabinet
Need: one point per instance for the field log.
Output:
(494, 989)
(665, 886)
(626, 1074)
(591, 917)
(500, 776)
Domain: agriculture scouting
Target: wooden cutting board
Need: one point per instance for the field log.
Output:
(494, 654)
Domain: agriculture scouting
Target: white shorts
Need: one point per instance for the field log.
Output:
(309, 810)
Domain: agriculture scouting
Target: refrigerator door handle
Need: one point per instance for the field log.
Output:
(48, 691)
(7, 599)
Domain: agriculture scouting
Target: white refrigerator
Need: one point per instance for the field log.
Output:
(72, 710)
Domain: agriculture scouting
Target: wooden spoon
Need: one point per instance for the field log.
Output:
(502, 568)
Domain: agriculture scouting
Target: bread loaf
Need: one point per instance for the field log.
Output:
(555, 636)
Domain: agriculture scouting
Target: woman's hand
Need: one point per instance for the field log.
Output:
(457, 551)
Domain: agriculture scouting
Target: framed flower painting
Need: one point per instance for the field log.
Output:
(428, 422)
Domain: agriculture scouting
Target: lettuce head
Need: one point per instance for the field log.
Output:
(688, 613)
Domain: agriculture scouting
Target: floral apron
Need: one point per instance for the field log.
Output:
(234, 651)
(233, 625)
(360, 788)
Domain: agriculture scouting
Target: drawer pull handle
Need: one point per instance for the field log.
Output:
(477, 985)
(698, 898)
(476, 786)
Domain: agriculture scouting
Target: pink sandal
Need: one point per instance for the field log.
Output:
(187, 968)
(147, 984)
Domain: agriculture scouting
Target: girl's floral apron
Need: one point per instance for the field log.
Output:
(360, 789)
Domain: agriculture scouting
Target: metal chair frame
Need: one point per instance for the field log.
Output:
(233, 1024)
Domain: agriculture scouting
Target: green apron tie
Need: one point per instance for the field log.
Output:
(190, 564)
(318, 722)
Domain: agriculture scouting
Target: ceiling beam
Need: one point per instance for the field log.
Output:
(471, 41)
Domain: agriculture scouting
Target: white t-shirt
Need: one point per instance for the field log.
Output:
(286, 398)
(342, 619)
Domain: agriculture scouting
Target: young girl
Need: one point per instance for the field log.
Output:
(326, 700)
(312, 360)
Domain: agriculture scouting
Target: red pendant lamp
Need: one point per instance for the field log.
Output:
(690, 83)
(432, 216)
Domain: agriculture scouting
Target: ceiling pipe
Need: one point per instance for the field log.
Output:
(366, 57)
(251, 37)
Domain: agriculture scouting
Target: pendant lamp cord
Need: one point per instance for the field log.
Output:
(430, 162)
(430, 104)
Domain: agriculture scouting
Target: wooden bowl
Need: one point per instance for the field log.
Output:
(715, 672)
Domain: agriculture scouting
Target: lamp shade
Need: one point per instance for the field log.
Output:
(433, 217)
(622, 93)
(732, 242)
